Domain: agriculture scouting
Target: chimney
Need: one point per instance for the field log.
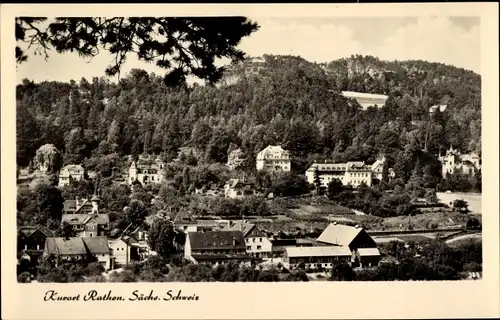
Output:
(356, 226)
(77, 202)
(234, 242)
(335, 222)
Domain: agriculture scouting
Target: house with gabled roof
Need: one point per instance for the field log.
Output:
(274, 158)
(239, 189)
(185, 222)
(216, 247)
(361, 245)
(147, 171)
(86, 219)
(31, 240)
(124, 250)
(74, 249)
(71, 172)
(315, 257)
(79, 205)
(257, 243)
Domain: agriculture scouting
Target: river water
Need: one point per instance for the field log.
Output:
(473, 199)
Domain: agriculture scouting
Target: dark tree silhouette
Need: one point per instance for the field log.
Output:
(182, 46)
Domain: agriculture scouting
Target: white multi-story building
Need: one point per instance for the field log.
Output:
(71, 172)
(258, 244)
(146, 172)
(351, 173)
(274, 158)
(378, 168)
(455, 161)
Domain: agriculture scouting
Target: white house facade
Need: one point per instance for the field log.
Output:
(453, 161)
(72, 172)
(274, 158)
(151, 172)
(350, 173)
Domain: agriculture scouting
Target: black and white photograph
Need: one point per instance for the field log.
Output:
(291, 162)
(248, 148)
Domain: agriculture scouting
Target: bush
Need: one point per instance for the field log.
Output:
(124, 276)
(24, 277)
(95, 278)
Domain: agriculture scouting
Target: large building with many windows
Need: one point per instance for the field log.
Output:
(350, 173)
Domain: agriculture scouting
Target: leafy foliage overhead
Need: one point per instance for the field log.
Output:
(182, 46)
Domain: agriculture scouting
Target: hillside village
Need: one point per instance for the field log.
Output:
(286, 196)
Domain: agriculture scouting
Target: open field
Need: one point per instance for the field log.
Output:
(426, 220)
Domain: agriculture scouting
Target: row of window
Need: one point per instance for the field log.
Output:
(358, 174)
(230, 251)
(253, 240)
(249, 248)
(357, 181)
(313, 259)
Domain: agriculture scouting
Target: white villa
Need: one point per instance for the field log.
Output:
(146, 172)
(274, 158)
(71, 172)
(454, 160)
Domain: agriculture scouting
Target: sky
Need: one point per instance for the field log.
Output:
(449, 40)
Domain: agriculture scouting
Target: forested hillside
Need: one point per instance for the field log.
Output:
(275, 100)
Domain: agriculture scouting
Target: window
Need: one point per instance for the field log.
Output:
(259, 247)
(249, 247)
(253, 239)
(260, 239)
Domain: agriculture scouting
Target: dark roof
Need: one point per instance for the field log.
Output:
(244, 227)
(82, 218)
(76, 245)
(183, 217)
(85, 206)
(284, 242)
(209, 257)
(216, 240)
(65, 246)
(127, 239)
(69, 205)
(97, 244)
(238, 183)
(27, 231)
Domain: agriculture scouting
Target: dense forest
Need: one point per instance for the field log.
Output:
(272, 100)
